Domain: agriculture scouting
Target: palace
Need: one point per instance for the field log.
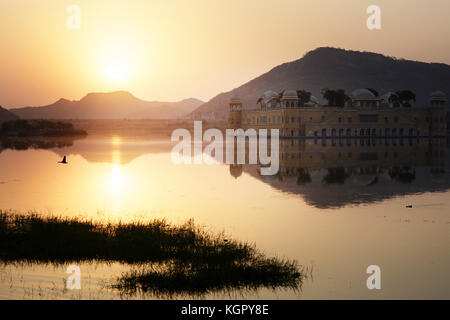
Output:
(364, 115)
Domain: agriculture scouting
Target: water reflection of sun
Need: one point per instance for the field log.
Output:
(116, 180)
(116, 141)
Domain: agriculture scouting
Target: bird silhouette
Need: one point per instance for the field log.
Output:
(63, 161)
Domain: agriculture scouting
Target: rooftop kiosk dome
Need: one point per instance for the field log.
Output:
(313, 102)
(235, 99)
(269, 99)
(438, 94)
(235, 103)
(438, 99)
(289, 99)
(363, 94)
(364, 98)
(269, 94)
(290, 94)
(235, 114)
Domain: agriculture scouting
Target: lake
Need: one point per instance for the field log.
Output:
(336, 206)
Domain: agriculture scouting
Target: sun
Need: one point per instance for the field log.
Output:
(116, 59)
(116, 67)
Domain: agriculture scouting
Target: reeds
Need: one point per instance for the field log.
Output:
(168, 260)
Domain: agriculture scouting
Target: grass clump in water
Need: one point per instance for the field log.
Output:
(176, 279)
(168, 260)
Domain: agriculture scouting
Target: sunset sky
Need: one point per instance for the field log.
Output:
(173, 49)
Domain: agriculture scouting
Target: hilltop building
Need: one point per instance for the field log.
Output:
(364, 115)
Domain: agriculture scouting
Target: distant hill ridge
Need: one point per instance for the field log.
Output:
(109, 105)
(337, 69)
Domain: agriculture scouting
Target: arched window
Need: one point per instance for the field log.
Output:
(349, 132)
(324, 132)
(333, 133)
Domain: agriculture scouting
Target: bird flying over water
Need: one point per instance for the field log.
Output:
(63, 161)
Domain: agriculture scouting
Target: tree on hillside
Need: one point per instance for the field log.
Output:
(335, 98)
(402, 98)
(395, 100)
(406, 96)
(303, 97)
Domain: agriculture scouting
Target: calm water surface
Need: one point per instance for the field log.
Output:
(336, 207)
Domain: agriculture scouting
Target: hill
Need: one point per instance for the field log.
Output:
(5, 115)
(109, 105)
(337, 68)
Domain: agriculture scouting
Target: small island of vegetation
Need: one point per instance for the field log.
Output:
(166, 260)
(32, 128)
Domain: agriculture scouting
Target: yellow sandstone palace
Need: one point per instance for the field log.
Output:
(364, 115)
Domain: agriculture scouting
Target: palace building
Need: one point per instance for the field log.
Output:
(364, 115)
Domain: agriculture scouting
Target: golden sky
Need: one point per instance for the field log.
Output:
(174, 49)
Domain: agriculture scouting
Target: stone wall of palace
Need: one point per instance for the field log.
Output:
(344, 122)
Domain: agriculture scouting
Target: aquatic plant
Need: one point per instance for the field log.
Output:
(167, 260)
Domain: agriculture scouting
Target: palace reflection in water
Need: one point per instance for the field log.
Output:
(336, 172)
(364, 185)
(326, 173)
